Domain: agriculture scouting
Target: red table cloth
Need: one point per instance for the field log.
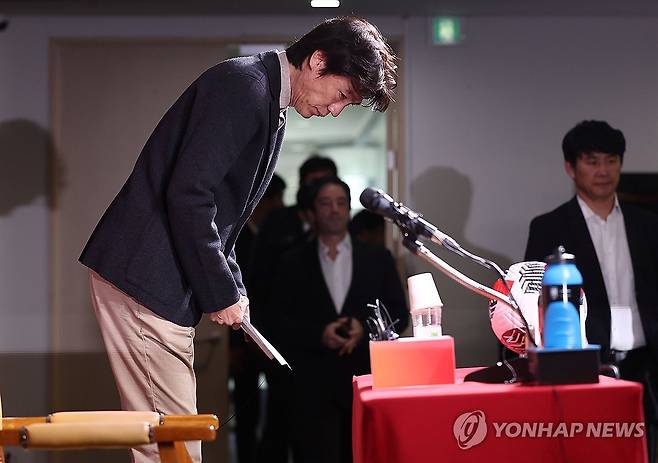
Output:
(469, 422)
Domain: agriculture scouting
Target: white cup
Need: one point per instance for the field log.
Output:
(425, 306)
(423, 292)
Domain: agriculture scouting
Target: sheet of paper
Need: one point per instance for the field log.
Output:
(263, 343)
(621, 328)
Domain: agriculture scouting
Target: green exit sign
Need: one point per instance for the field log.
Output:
(446, 31)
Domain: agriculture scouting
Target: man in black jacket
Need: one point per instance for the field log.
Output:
(616, 249)
(283, 230)
(321, 296)
(162, 254)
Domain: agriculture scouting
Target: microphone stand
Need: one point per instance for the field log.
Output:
(412, 225)
(411, 242)
(416, 247)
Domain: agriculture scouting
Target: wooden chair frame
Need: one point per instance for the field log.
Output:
(170, 434)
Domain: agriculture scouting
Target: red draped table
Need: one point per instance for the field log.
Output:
(467, 422)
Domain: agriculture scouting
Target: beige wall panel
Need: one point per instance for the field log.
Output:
(107, 96)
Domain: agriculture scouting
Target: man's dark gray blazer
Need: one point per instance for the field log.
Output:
(566, 225)
(167, 238)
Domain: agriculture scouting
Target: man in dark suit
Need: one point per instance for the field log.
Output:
(283, 230)
(162, 254)
(321, 298)
(616, 249)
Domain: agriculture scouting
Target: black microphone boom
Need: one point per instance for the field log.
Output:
(377, 201)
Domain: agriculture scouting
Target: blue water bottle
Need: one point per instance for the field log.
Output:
(559, 319)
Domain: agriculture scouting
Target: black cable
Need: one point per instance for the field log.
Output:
(488, 264)
(201, 366)
(247, 406)
(510, 367)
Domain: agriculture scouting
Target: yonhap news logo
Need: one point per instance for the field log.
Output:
(470, 429)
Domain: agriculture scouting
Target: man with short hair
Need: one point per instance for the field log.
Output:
(313, 168)
(290, 226)
(321, 296)
(616, 249)
(369, 227)
(162, 254)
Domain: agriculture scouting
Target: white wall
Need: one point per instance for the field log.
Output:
(484, 125)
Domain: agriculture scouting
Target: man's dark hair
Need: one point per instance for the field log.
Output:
(317, 163)
(356, 49)
(366, 221)
(317, 185)
(303, 197)
(276, 187)
(593, 137)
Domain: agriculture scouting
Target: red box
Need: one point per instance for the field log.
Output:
(412, 362)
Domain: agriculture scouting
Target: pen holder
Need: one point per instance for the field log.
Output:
(412, 362)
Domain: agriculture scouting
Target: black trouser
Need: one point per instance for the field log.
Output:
(322, 420)
(246, 368)
(640, 366)
(275, 444)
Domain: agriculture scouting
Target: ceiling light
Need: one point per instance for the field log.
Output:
(325, 3)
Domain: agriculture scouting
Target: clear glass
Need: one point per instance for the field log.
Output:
(427, 322)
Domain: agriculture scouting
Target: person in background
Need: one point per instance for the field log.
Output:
(616, 249)
(321, 295)
(245, 364)
(284, 229)
(369, 227)
(291, 226)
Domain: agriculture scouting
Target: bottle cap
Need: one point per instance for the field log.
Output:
(560, 256)
(422, 292)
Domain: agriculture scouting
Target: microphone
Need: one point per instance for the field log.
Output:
(375, 200)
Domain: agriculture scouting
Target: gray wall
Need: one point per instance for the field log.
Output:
(24, 103)
(485, 125)
(484, 121)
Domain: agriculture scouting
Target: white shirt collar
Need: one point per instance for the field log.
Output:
(588, 213)
(284, 98)
(344, 245)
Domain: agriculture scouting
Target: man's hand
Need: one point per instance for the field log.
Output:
(232, 315)
(330, 338)
(355, 334)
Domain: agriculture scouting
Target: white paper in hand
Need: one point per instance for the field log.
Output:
(262, 343)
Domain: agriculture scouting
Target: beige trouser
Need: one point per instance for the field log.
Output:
(151, 358)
